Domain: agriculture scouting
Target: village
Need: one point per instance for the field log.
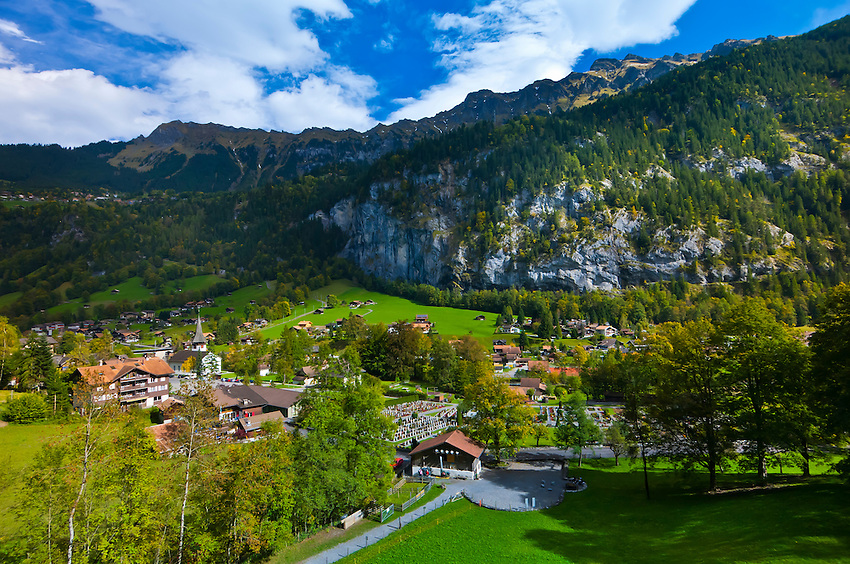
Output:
(435, 428)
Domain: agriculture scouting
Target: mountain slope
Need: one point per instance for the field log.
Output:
(730, 168)
(189, 156)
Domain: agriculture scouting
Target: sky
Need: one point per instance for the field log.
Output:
(75, 72)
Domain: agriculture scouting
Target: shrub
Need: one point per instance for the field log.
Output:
(26, 408)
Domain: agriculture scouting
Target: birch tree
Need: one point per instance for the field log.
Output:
(198, 418)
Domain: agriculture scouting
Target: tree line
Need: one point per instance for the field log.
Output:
(107, 491)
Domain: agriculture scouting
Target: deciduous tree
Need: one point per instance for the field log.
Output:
(690, 402)
(576, 430)
(500, 418)
(832, 363)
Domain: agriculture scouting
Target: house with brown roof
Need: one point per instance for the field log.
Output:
(252, 425)
(134, 381)
(542, 365)
(451, 454)
(166, 435)
(238, 401)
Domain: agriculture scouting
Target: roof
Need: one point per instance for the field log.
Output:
(535, 383)
(199, 338)
(255, 396)
(166, 435)
(183, 356)
(113, 369)
(256, 421)
(452, 438)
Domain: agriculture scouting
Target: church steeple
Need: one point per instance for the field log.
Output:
(199, 342)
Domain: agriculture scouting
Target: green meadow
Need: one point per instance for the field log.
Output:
(132, 290)
(18, 446)
(449, 322)
(612, 521)
(8, 299)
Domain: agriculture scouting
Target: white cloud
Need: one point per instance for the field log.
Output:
(12, 29)
(233, 50)
(6, 56)
(385, 45)
(72, 107)
(260, 33)
(338, 101)
(507, 44)
(204, 88)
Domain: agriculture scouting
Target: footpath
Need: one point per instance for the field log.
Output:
(351, 546)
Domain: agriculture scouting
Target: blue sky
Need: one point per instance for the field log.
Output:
(77, 71)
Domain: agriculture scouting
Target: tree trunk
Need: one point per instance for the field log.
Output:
(185, 495)
(805, 452)
(86, 452)
(712, 476)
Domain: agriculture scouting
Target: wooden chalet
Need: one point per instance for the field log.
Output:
(451, 454)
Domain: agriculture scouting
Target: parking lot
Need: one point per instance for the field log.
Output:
(520, 487)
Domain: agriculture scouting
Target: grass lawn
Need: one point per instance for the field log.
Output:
(613, 522)
(333, 536)
(405, 492)
(18, 446)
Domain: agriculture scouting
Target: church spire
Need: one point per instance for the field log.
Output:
(199, 342)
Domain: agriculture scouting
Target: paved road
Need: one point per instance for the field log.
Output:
(536, 481)
(520, 487)
(379, 533)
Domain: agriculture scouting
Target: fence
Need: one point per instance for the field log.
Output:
(397, 486)
(415, 498)
(387, 512)
(351, 519)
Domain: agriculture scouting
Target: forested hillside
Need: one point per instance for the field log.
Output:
(209, 157)
(732, 170)
(731, 167)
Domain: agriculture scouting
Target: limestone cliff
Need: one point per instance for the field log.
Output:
(588, 249)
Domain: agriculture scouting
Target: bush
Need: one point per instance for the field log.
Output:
(26, 408)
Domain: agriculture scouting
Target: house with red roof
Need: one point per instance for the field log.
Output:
(451, 454)
(134, 381)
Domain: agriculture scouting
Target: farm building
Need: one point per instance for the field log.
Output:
(451, 454)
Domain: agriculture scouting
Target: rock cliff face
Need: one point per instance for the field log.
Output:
(589, 250)
(387, 247)
(428, 251)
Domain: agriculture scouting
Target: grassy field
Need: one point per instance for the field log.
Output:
(7, 299)
(132, 290)
(333, 536)
(405, 492)
(449, 322)
(18, 446)
(613, 522)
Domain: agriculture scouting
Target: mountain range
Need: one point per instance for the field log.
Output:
(210, 157)
(732, 167)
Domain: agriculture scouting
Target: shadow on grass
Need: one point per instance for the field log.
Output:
(614, 522)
